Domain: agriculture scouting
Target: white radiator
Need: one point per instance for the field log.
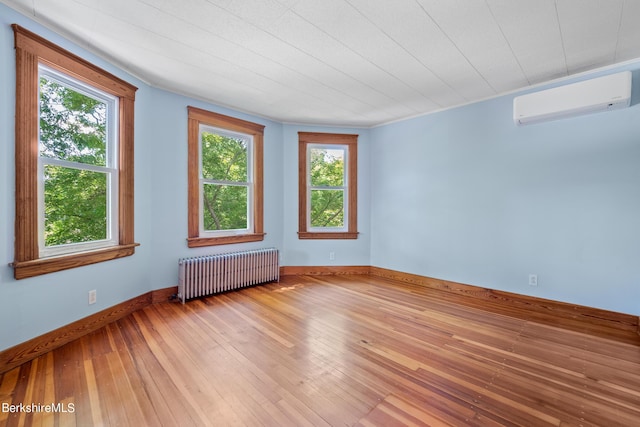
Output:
(211, 274)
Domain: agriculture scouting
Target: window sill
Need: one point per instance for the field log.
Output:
(37, 267)
(199, 242)
(303, 235)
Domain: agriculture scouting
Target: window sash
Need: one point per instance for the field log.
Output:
(110, 101)
(228, 231)
(111, 210)
(110, 169)
(344, 188)
(247, 184)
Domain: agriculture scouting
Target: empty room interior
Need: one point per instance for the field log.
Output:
(327, 213)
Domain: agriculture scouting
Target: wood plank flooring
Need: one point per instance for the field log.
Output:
(329, 351)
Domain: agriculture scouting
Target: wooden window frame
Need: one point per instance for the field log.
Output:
(197, 117)
(31, 51)
(351, 142)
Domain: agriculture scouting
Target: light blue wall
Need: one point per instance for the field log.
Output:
(462, 195)
(169, 190)
(316, 252)
(30, 307)
(465, 195)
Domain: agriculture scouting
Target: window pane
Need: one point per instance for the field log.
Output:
(75, 205)
(327, 167)
(224, 158)
(225, 207)
(327, 208)
(73, 126)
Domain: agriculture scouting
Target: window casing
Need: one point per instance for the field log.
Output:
(327, 186)
(225, 179)
(39, 64)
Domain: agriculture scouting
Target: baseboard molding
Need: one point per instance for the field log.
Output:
(579, 318)
(28, 350)
(604, 323)
(163, 295)
(323, 270)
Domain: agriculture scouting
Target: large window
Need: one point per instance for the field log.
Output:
(327, 165)
(74, 160)
(77, 166)
(225, 179)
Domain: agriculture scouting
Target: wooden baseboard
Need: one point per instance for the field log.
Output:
(28, 350)
(579, 318)
(163, 295)
(323, 270)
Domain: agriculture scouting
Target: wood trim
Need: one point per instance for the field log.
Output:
(574, 317)
(196, 117)
(26, 144)
(258, 184)
(603, 323)
(163, 295)
(353, 188)
(324, 270)
(126, 172)
(69, 63)
(225, 122)
(32, 50)
(36, 267)
(302, 235)
(302, 186)
(351, 141)
(199, 242)
(33, 348)
(327, 138)
(193, 192)
(28, 350)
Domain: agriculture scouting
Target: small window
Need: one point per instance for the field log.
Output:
(74, 160)
(327, 186)
(225, 179)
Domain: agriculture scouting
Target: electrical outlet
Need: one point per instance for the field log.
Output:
(332, 256)
(533, 280)
(92, 297)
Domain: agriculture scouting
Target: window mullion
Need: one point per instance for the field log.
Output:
(219, 182)
(76, 165)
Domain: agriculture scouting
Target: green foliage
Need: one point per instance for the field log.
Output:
(73, 128)
(327, 204)
(327, 208)
(326, 167)
(75, 205)
(225, 207)
(225, 160)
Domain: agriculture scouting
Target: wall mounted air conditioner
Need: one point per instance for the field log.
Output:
(600, 94)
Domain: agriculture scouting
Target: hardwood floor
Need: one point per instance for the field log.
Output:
(329, 350)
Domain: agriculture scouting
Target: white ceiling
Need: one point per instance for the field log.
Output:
(347, 62)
